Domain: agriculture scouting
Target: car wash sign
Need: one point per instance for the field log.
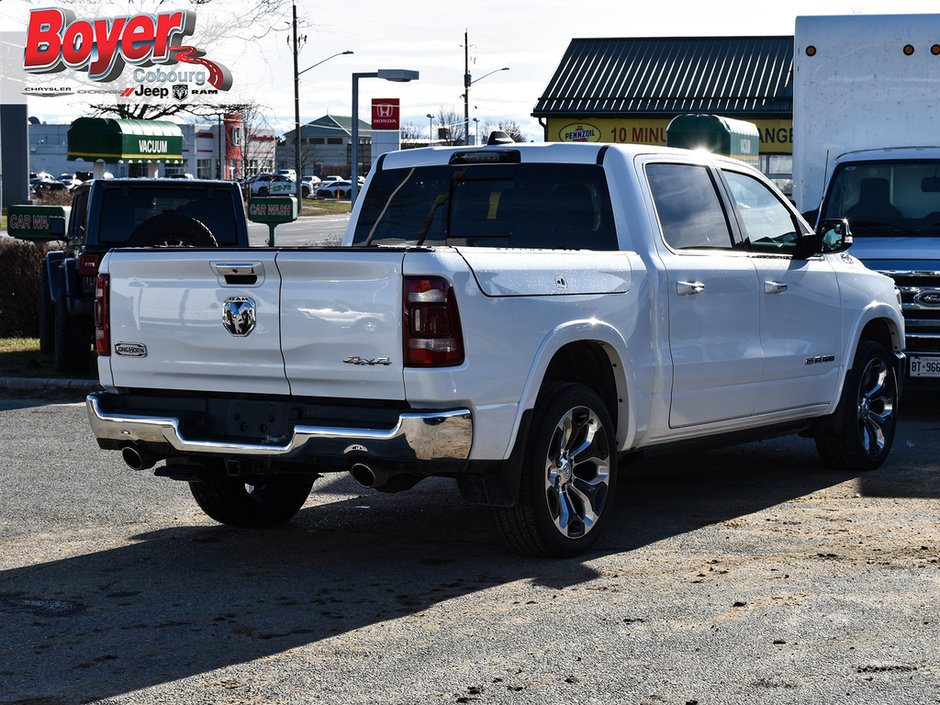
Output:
(385, 114)
(102, 47)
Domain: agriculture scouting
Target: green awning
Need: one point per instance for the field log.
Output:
(112, 140)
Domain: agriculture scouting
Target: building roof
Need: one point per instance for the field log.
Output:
(663, 76)
(332, 126)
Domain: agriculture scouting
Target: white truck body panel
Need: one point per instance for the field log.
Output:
(860, 91)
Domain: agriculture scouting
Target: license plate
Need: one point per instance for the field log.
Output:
(925, 367)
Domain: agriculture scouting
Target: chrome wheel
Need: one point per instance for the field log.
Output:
(876, 405)
(577, 472)
(568, 475)
(858, 437)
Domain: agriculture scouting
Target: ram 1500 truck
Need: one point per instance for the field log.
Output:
(514, 317)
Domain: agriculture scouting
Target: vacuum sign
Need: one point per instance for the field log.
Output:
(385, 114)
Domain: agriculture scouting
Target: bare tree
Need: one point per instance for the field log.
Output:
(514, 130)
(411, 131)
(253, 122)
(451, 125)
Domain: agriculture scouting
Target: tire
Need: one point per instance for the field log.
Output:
(569, 475)
(46, 314)
(172, 230)
(866, 418)
(73, 336)
(263, 191)
(233, 501)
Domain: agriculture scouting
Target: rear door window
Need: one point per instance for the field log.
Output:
(688, 207)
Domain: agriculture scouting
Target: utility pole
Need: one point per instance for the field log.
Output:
(466, 88)
(297, 183)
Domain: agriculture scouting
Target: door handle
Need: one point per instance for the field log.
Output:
(689, 288)
(771, 287)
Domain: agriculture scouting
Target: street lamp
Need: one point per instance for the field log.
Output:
(297, 182)
(466, 99)
(430, 128)
(396, 75)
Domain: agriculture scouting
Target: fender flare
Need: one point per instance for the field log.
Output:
(875, 311)
(584, 331)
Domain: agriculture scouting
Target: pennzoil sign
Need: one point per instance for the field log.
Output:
(580, 132)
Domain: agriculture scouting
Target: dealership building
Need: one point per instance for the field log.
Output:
(628, 90)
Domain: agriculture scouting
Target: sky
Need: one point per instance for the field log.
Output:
(526, 36)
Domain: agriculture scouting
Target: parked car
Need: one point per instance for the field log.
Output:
(268, 185)
(334, 189)
(309, 184)
(289, 173)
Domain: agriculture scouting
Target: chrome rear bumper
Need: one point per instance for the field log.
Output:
(429, 436)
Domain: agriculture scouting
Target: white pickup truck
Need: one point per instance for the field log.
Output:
(515, 317)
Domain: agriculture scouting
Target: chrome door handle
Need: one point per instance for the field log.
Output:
(689, 288)
(771, 287)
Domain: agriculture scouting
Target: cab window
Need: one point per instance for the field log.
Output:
(768, 225)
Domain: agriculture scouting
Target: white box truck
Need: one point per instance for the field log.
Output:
(866, 124)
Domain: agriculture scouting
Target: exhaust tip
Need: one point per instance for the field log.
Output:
(363, 475)
(137, 459)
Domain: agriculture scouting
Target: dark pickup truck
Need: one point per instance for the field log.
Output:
(109, 213)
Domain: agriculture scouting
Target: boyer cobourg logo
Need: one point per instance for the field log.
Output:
(102, 47)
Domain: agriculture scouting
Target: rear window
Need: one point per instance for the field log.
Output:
(124, 209)
(551, 206)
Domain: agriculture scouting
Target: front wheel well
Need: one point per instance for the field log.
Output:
(587, 363)
(881, 332)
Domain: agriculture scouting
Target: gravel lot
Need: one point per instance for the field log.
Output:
(743, 575)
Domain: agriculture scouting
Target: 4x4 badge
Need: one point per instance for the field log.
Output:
(238, 315)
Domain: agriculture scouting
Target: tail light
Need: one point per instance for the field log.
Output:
(432, 335)
(88, 265)
(102, 330)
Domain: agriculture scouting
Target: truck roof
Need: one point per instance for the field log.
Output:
(889, 153)
(529, 152)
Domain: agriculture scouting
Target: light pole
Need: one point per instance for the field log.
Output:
(396, 75)
(430, 127)
(466, 86)
(297, 182)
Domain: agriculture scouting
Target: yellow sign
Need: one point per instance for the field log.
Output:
(776, 136)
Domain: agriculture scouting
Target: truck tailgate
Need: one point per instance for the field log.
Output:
(341, 318)
(316, 323)
(167, 327)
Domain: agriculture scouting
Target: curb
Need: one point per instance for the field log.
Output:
(39, 385)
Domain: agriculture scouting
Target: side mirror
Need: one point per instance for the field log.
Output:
(57, 227)
(831, 236)
(834, 235)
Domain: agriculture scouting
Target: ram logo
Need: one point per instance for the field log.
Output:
(238, 315)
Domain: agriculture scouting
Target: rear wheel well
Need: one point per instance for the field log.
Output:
(589, 364)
